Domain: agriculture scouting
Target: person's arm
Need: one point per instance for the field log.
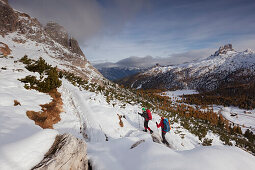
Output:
(141, 114)
(160, 124)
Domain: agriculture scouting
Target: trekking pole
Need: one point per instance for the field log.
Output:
(157, 129)
(138, 121)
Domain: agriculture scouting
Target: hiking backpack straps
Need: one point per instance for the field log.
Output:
(166, 125)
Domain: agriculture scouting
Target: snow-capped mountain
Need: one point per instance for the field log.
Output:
(98, 126)
(226, 65)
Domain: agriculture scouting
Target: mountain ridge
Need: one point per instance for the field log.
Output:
(203, 74)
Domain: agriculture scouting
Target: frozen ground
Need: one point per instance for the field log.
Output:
(175, 95)
(101, 120)
(22, 144)
(242, 117)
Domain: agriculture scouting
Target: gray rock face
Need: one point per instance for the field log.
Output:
(57, 33)
(224, 49)
(74, 46)
(60, 35)
(8, 18)
(66, 153)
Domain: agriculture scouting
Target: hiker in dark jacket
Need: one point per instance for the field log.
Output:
(161, 124)
(147, 116)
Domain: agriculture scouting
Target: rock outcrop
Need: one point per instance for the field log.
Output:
(224, 49)
(4, 49)
(54, 39)
(60, 35)
(8, 18)
(66, 153)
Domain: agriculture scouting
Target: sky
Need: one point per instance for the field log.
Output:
(171, 31)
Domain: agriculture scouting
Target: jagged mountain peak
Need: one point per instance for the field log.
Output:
(205, 74)
(60, 35)
(224, 49)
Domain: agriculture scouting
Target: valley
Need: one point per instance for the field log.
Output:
(57, 111)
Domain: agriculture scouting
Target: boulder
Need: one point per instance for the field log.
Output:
(66, 153)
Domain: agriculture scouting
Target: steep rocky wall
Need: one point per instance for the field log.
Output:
(66, 153)
(60, 35)
(8, 18)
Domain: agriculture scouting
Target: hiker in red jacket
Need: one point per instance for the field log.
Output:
(147, 116)
(161, 124)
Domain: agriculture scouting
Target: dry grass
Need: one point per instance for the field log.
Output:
(50, 113)
(16, 103)
(120, 123)
(5, 50)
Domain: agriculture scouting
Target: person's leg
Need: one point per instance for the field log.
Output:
(145, 125)
(164, 138)
(149, 128)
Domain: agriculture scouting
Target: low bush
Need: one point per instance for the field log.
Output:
(49, 78)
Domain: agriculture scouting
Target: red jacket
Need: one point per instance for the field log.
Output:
(161, 124)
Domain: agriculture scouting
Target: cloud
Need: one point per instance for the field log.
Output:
(110, 30)
(149, 61)
(180, 58)
(81, 18)
(84, 19)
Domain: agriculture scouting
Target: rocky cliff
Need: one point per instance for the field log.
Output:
(60, 35)
(53, 38)
(8, 18)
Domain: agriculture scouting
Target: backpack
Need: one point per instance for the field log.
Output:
(149, 114)
(166, 125)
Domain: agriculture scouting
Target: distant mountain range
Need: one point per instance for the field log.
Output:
(117, 73)
(121, 69)
(225, 66)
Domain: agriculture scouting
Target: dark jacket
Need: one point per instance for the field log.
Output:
(145, 115)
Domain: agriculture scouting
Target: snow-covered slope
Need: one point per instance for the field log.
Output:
(204, 74)
(88, 116)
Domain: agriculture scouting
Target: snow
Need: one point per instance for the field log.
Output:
(244, 119)
(175, 95)
(22, 143)
(26, 151)
(88, 116)
(148, 155)
(88, 112)
(197, 72)
(101, 119)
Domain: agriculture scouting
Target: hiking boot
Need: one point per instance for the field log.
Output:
(165, 142)
(145, 130)
(151, 131)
